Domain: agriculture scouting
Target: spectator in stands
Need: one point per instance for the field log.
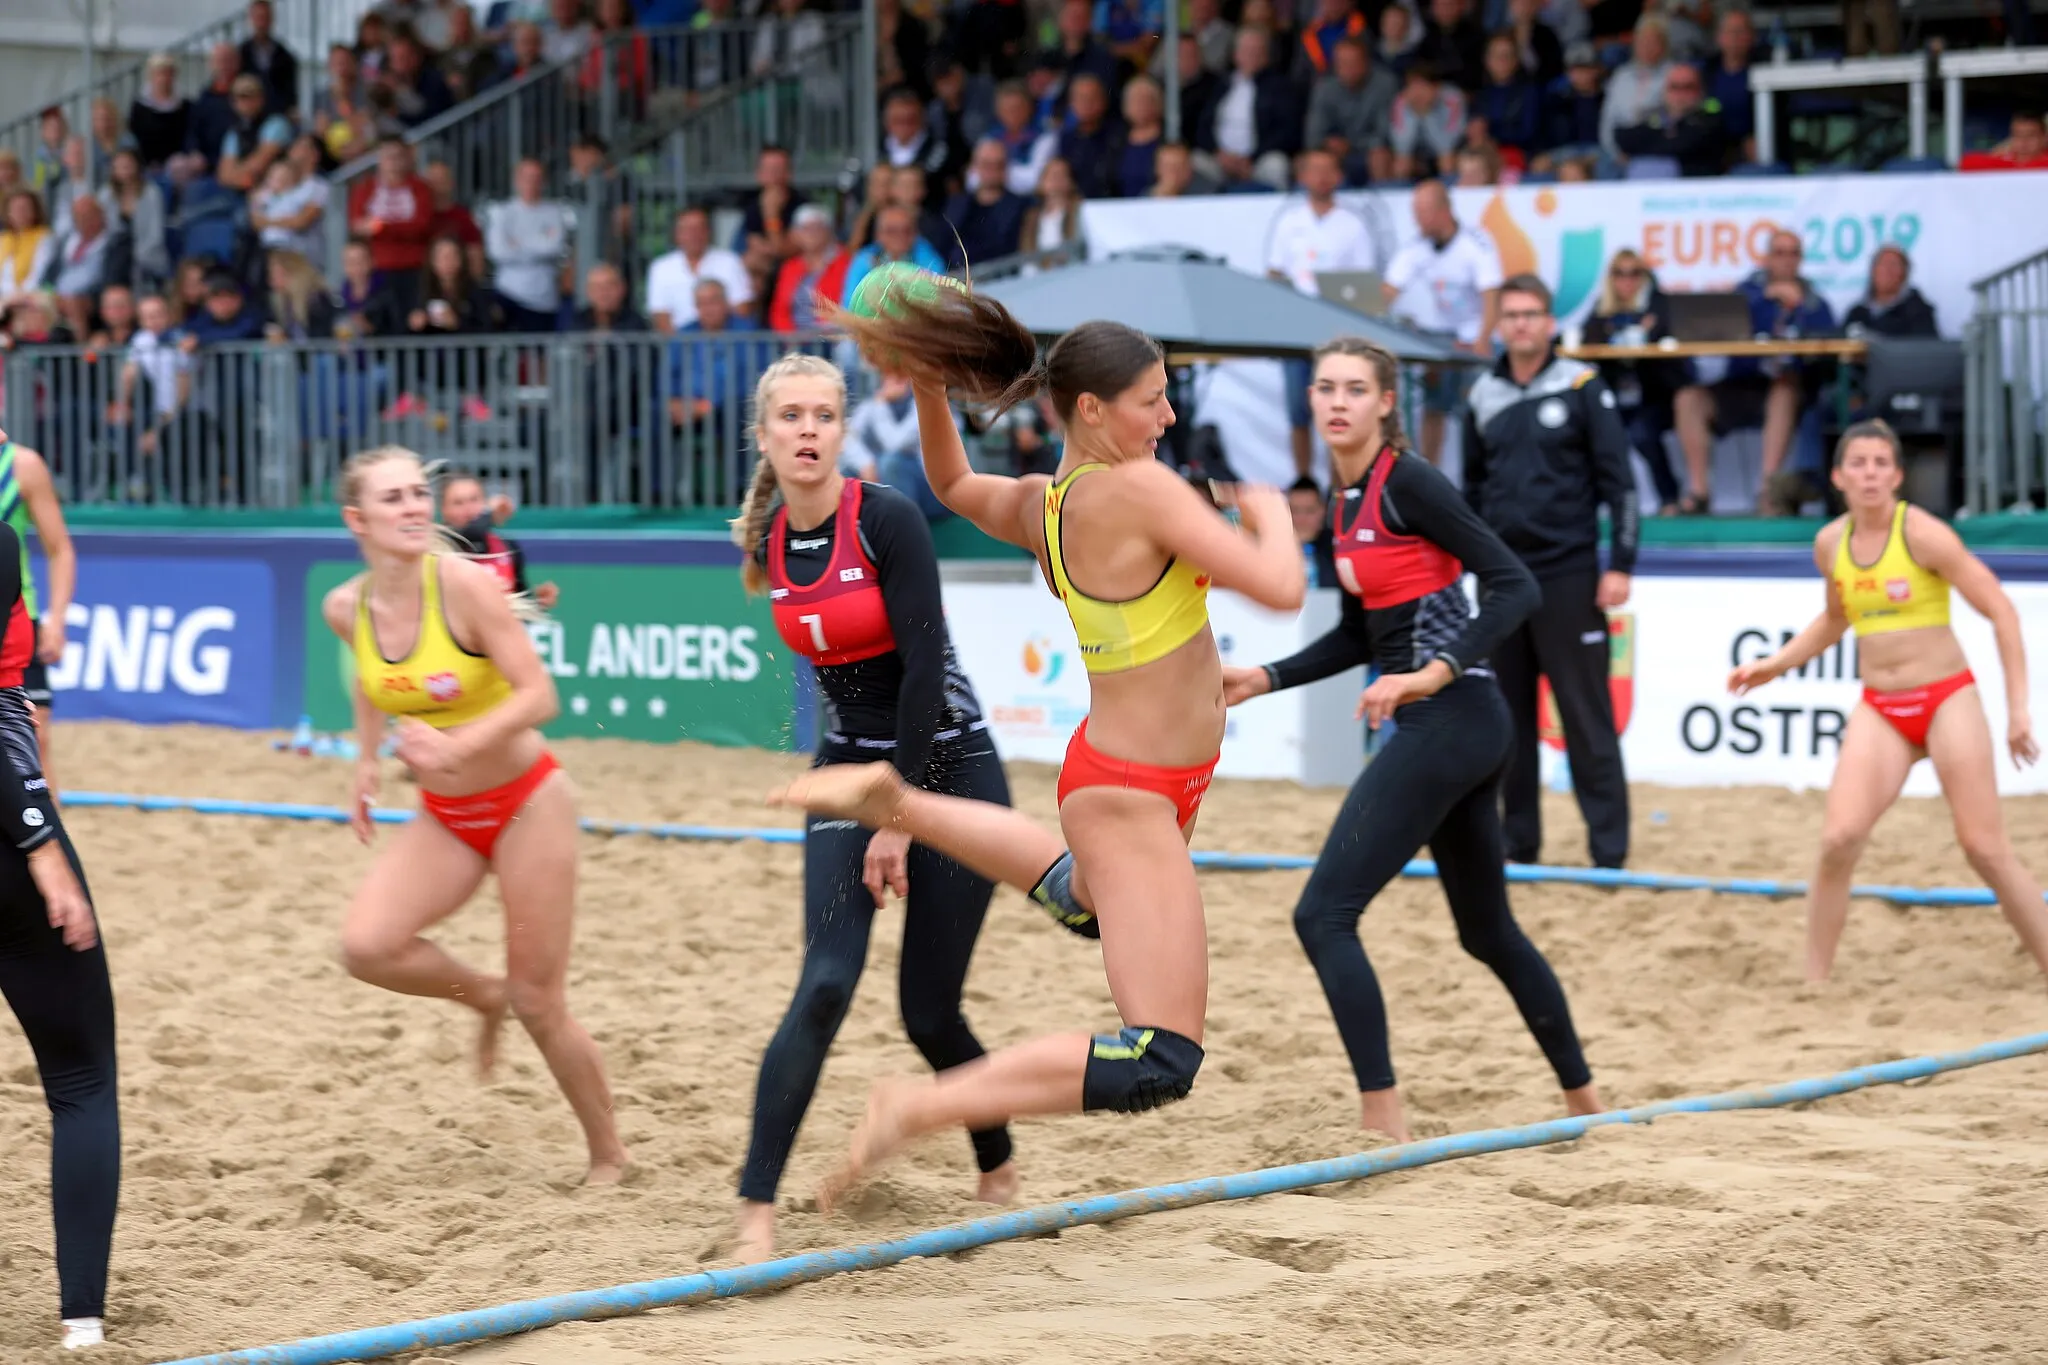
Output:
(1537, 48)
(529, 51)
(52, 131)
(896, 241)
(417, 91)
(961, 111)
(453, 301)
(1427, 126)
(158, 376)
(909, 187)
(298, 306)
(1131, 28)
(1571, 118)
(565, 37)
(1350, 110)
(614, 40)
(1891, 306)
(604, 193)
(26, 245)
(342, 116)
(1453, 43)
(11, 178)
(1636, 89)
(452, 217)
(213, 114)
(609, 309)
(1332, 22)
(987, 221)
(227, 316)
(772, 202)
(2024, 149)
(672, 279)
(1629, 310)
(434, 21)
(1091, 141)
(528, 240)
(1727, 76)
(107, 138)
(707, 380)
(393, 211)
(270, 61)
(1077, 50)
(785, 33)
(1687, 128)
(1508, 100)
(817, 271)
(114, 322)
(1477, 164)
(254, 142)
(159, 118)
(371, 38)
(468, 64)
(1447, 280)
(365, 304)
(907, 139)
(877, 196)
(1175, 168)
(989, 35)
(720, 49)
(902, 49)
(306, 156)
(1144, 128)
(1308, 238)
(1254, 127)
(134, 206)
(1310, 514)
(87, 258)
(1771, 393)
(882, 444)
(1870, 22)
(1026, 146)
(32, 321)
(1053, 223)
(1399, 35)
(1200, 85)
(187, 294)
(1212, 36)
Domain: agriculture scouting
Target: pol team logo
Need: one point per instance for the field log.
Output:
(1621, 683)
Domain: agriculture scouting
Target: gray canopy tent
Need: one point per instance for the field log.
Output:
(1201, 309)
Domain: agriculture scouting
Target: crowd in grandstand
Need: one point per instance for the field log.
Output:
(197, 218)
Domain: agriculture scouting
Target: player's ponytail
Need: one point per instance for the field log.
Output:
(750, 527)
(967, 342)
(1386, 372)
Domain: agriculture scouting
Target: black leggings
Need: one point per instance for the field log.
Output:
(1436, 782)
(942, 919)
(66, 1007)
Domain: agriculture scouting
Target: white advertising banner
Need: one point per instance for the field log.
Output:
(1680, 725)
(1017, 646)
(1696, 234)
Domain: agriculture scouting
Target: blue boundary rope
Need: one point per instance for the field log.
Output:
(511, 1318)
(1943, 896)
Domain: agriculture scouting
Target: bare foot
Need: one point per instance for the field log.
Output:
(754, 1233)
(1380, 1112)
(1583, 1102)
(870, 793)
(491, 1005)
(878, 1136)
(1000, 1185)
(609, 1170)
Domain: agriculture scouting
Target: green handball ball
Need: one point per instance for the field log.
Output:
(880, 288)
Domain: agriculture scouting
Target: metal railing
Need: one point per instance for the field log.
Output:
(567, 419)
(307, 29)
(2006, 390)
(681, 110)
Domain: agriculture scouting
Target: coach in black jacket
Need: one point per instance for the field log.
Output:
(1544, 449)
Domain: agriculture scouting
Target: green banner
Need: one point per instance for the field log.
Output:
(649, 652)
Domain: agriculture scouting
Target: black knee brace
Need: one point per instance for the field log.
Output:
(1139, 1069)
(1055, 895)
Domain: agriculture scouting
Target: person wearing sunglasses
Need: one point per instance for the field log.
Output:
(1685, 127)
(1630, 311)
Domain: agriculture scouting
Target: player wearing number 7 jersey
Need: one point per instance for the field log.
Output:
(853, 582)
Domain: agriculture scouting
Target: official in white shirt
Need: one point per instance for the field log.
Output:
(1311, 236)
(1448, 280)
(672, 279)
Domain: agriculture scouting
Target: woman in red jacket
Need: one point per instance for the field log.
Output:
(817, 271)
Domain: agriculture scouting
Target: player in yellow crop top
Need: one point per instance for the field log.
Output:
(1131, 549)
(1889, 568)
(438, 645)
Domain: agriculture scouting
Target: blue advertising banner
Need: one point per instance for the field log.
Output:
(163, 640)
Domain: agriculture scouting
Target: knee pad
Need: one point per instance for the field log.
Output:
(1054, 894)
(1139, 1069)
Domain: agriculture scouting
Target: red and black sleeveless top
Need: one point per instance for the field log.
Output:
(841, 618)
(1379, 566)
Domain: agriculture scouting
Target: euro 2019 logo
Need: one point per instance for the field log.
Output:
(1043, 660)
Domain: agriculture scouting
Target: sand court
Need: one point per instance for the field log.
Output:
(306, 1154)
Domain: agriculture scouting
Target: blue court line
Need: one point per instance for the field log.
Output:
(1941, 896)
(511, 1318)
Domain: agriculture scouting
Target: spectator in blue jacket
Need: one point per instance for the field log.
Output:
(988, 221)
(1091, 141)
(1508, 100)
(1728, 79)
(896, 240)
(1775, 394)
(1571, 115)
(707, 378)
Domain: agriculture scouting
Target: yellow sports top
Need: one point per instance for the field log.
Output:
(1117, 636)
(440, 682)
(1894, 593)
